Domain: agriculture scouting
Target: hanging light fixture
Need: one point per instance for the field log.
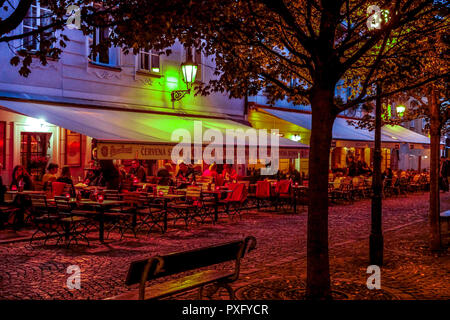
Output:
(400, 110)
(189, 70)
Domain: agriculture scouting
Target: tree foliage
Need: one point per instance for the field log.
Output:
(295, 50)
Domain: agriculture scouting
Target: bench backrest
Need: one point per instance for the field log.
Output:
(174, 263)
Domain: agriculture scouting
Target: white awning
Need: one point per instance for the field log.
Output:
(342, 130)
(109, 125)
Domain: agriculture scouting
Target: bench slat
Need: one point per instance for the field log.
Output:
(172, 287)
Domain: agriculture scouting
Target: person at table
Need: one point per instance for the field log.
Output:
(388, 174)
(50, 176)
(295, 176)
(122, 172)
(20, 177)
(164, 174)
(229, 173)
(137, 171)
(110, 174)
(444, 168)
(185, 172)
(66, 177)
(352, 167)
(211, 171)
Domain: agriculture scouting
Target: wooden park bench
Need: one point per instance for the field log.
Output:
(445, 226)
(174, 264)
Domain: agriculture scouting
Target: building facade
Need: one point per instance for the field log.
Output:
(111, 80)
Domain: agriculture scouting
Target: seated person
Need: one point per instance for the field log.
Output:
(138, 171)
(211, 171)
(50, 176)
(295, 176)
(185, 174)
(66, 177)
(20, 177)
(165, 175)
(122, 172)
(229, 173)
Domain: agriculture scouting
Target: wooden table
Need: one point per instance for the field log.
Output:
(100, 208)
(25, 192)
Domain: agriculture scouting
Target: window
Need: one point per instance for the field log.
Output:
(38, 15)
(412, 124)
(149, 61)
(106, 55)
(33, 151)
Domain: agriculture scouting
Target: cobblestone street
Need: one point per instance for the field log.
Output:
(275, 270)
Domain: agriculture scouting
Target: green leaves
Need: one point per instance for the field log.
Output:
(14, 61)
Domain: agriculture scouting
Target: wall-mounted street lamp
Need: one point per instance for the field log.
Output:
(400, 110)
(189, 69)
(296, 138)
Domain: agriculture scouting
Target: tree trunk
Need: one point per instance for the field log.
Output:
(435, 237)
(318, 269)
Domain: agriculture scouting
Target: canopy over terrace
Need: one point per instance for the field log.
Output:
(136, 134)
(346, 135)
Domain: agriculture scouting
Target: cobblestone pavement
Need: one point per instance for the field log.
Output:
(275, 270)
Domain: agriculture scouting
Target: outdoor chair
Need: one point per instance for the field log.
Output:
(44, 219)
(395, 186)
(58, 188)
(235, 200)
(126, 186)
(403, 186)
(387, 188)
(358, 188)
(190, 209)
(263, 194)
(342, 190)
(152, 214)
(283, 196)
(75, 224)
(7, 214)
(414, 185)
(122, 217)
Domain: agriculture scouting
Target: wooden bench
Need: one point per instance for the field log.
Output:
(176, 263)
(445, 232)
